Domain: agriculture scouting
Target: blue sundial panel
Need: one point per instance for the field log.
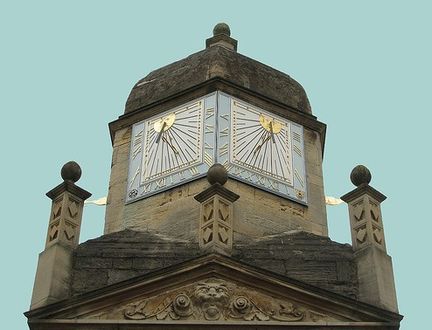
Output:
(261, 149)
(179, 145)
(172, 148)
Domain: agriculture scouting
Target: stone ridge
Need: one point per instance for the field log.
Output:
(218, 62)
(119, 256)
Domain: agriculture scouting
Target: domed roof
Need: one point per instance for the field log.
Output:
(218, 60)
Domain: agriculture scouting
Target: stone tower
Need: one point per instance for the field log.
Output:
(215, 214)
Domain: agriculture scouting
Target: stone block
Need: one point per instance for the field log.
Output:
(375, 276)
(53, 276)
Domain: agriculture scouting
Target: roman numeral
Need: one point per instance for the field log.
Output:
(136, 151)
(182, 176)
(137, 144)
(209, 128)
(227, 165)
(160, 183)
(134, 177)
(274, 185)
(297, 150)
(138, 137)
(147, 187)
(260, 179)
(299, 178)
(193, 171)
(224, 132)
(210, 113)
(207, 146)
(296, 137)
(225, 116)
(223, 150)
(208, 159)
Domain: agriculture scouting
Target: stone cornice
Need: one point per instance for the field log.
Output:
(68, 186)
(218, 189)
(363, 189)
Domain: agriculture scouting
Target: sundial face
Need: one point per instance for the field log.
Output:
(171, 148)
(261, 148)
(256, 146)
(261, 142)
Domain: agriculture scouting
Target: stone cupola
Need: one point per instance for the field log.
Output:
(283, 194)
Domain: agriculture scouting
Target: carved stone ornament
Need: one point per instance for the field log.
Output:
(216, 299)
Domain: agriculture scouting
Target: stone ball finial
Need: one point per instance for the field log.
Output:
(360, 174)
(217, 174)
(71, 171)
(221, 28)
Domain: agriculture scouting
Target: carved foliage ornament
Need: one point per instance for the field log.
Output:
(216, 299)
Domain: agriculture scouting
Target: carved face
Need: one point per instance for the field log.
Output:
(211, 292)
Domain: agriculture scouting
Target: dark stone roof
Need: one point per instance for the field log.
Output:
(217, 62)
(119, 256)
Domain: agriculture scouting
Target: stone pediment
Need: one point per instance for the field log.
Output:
(210, 291)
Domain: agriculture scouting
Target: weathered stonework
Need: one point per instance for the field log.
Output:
(257, 213)
(213, 292)
(54, 269)
(375, 269)
(307, 257)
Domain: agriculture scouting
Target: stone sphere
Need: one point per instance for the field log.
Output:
(217, 174)
(360, 174)
(71, 171)
(221, 28)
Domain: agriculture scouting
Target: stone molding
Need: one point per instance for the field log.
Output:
(217, 189)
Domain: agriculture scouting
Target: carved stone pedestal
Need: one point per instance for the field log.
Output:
(216, 218)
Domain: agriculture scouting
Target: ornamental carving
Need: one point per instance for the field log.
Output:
(375, 213)
(361, 234)
(216, 299)
(56, 209)
(53, 231)
(358, 211)
(216, 224)
(73, 209)
(377, 234)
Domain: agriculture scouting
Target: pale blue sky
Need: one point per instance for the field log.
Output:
(66, 69)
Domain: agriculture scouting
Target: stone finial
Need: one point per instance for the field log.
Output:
(217, 174)
(216, 213)
(55, 262)
(221, 28)
(71, 171)
(375, 272)
(360, 175)
(67, 206)
(221, 37)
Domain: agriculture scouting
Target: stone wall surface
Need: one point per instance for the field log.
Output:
(175, 212)
(126, 254)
